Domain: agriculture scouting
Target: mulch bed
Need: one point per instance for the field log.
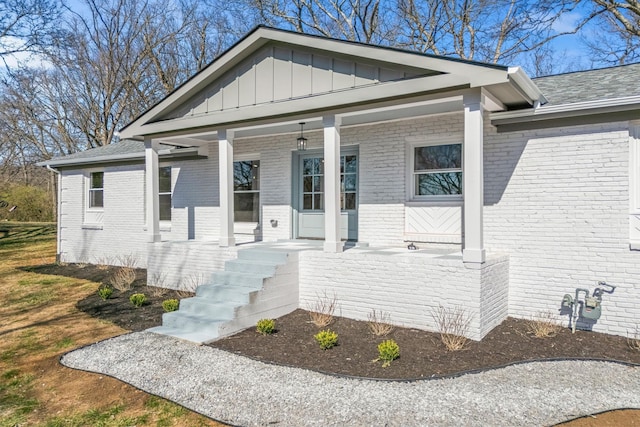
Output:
(422, 354)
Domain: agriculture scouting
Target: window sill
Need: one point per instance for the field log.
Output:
(92, 226)
(438, 201)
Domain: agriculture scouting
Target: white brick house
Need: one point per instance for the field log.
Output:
(514, 191)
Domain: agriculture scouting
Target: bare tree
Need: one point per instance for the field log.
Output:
(484, 30)
(614, 37)
(26, 25)
(368, 21)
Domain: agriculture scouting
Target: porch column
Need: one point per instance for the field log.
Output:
(225, 160)
(332, 241)
(152, 189)
(473, 180)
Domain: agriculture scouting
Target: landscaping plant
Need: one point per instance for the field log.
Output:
(544, 325)
(453, 324)
(388, 351)
(105, 292)
(379, 323)
(169, 305)
(138, 300)
(123, 278)
(266, 326)
(633, 341)
(321, 311)
(326, 338)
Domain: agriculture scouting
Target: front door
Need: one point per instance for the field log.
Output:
(311, 196)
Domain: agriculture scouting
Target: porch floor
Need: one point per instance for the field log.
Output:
(451, 252)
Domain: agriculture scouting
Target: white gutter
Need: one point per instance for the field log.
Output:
(567, 110)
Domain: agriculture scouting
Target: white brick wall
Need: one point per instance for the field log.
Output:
(409, 286)
(557, 201)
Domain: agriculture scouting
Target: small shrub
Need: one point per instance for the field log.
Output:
(266, 326)
(138, 300)
(544, 325)
(388, 351)
(633, 341)
(379, 323)
(122, 278)
(170, 305)
(326, 338)
(105, 292)
(156, 285)
(453, 324)
(321, 311)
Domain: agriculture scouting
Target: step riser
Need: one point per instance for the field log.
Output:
(178, 321)
(263, 256)
(222, 294)
(201, 306)
(245, 267)
(233, 278)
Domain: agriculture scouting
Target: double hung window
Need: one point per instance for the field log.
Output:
(437, 171)
(96, 190)
(246, 188)
(165, 192)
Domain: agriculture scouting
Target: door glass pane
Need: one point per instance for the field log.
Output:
(307, 184)
(350, 201)
(307, 202)
(350, 182)
(350, 164)
(318, 202)
(307, 166)
(318, 183)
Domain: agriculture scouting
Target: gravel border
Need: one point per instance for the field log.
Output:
(241, 391)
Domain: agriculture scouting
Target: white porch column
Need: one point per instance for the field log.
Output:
(152, 189)
(473, 180)
(225, 160)
(332, 241)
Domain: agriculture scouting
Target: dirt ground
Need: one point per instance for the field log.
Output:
(422, 353)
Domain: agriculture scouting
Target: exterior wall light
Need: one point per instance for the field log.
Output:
(302, 141)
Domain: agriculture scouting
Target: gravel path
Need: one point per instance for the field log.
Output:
(240, 391)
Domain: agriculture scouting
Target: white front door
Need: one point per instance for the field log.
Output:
(310, 195)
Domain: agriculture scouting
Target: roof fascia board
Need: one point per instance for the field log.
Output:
(329, 101)
(166, 154)
(530, 91)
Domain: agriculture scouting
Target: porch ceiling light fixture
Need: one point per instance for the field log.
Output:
(302, 141)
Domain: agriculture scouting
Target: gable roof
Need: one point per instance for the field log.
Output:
(273, 74)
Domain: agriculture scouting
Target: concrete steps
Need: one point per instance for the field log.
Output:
(259, 283)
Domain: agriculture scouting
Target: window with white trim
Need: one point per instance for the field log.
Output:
(246, 191)
(164, 186)
(96, 190)
(437, 171)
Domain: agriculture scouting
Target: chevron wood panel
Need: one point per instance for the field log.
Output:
(433, 220)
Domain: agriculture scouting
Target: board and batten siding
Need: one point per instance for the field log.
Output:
(278, 73)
